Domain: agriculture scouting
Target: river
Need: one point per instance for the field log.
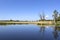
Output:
(29, 32)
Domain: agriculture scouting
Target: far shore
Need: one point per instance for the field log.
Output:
(30, 22)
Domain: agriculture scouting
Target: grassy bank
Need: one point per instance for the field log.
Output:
(36, 22)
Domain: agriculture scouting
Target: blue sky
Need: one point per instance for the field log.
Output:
(27, 9)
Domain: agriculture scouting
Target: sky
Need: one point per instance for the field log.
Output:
(27, 9)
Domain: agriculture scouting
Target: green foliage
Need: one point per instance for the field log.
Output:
(10, 20)
(58, 18)
(55, 15)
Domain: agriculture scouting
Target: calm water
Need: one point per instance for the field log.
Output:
(29, 32)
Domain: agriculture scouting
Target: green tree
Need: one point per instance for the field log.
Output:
(11, 20)
(58, 18)
(55, 15)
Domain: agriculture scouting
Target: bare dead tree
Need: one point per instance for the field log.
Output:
(42, 16)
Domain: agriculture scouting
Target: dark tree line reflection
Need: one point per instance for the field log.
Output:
(42, 31)
(42, 28)
(55, 31)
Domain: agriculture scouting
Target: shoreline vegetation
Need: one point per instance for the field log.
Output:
(45, 22)
(41, 21)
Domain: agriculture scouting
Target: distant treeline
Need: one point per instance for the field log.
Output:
(13, 21)
(23, 21)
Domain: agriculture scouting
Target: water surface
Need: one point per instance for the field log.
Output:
(29, 32)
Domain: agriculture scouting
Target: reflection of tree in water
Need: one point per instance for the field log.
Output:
(42, 31)
(55, 33)
(42, 28)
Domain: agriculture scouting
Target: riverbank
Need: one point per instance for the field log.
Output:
(34, 22)
(30, 22)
